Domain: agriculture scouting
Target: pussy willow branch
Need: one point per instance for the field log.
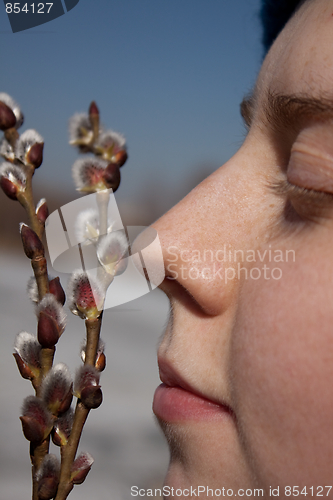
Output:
(68, 451)
(93, 329)
(39, 265)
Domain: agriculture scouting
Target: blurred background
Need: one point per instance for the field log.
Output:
(169, 75)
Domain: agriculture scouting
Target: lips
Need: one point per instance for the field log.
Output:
(175, 401)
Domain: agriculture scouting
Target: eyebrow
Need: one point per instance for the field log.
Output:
(283, 111)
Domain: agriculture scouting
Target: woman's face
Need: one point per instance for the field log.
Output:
(249, 260)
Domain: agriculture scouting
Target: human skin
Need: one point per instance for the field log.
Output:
(262, 348)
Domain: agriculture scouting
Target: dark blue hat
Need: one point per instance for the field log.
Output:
(274, 14)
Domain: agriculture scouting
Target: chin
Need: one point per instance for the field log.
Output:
(205, 454)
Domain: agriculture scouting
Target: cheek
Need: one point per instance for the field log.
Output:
(282, 372)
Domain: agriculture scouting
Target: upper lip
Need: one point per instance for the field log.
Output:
(170, 377)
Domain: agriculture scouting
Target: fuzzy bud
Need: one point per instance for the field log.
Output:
(80, 468)
(57, 389)
(88, 174)
(87, 226)
(62, 428)
(29, 148)
(109, 144)
(51, 321)
(112, 251)
(48, 477)
(32, 245)
(80, 131)
(87, 388)
(8, 101)
(42, 211)
(12, 180)
(100, 362)
(111, 176)
(85, 295)
(27, 355)
(36, 419)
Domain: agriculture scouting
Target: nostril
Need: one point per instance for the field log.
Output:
(178, 293)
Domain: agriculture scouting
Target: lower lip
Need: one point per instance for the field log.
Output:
(174, 404)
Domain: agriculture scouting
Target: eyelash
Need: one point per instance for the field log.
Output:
(308, 204)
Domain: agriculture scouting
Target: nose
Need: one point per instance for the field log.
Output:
(196, 238)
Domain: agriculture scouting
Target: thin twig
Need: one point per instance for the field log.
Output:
(39, 266)
(68, 451)
(93, 328)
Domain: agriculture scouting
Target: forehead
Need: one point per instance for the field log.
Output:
(301, 59)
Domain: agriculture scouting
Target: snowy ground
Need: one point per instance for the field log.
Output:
(122, 435)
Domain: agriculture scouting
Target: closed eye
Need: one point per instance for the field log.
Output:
(309, 204)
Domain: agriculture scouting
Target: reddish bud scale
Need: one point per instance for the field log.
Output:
(32, 430)
(47, 488)
(58, 438)
(93, 109)
(42, 212)
(32, 245)
(57, 290)
(8, 188)
(120, 158)
(91, 396)
(7, 117)
(111, 176)
(62, 428)
(100, 363)
(80, 476)
(35, 154)
(47, 331)
(24, 369)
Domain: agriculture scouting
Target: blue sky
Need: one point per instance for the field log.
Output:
(167, 74)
